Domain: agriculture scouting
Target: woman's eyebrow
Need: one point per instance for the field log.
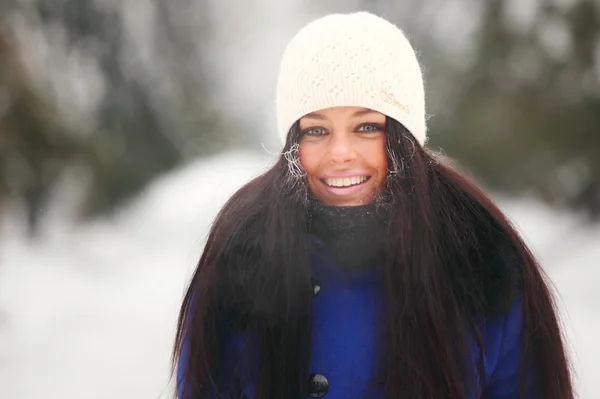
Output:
(315, 116)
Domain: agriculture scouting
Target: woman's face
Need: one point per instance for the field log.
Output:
(342, 151)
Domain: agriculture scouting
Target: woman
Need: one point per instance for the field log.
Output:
(361, 265)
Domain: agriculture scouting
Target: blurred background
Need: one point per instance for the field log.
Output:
(126, 124)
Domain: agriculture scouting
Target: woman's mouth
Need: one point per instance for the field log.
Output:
(344, 186)
(341, 182)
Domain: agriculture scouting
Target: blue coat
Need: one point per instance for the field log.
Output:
(345, 316)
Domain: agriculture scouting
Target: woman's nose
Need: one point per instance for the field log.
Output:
(341, 148)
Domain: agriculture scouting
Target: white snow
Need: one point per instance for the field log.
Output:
(89, 312)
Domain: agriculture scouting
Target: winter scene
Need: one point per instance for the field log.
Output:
(126, 127)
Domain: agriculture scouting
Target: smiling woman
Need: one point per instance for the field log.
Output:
(360, 266)
(342, 151)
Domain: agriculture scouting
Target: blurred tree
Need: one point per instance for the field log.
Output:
(154, 112)
(36, 146)
(179, 24)
(527, 116)
(126, 114)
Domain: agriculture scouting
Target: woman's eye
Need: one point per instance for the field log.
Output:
(315, 131)
(369, 128)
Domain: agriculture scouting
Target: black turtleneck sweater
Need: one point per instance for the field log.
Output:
(355, 235)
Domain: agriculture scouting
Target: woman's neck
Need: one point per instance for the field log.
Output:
(355, 235)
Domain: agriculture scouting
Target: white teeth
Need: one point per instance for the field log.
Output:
(346, 181)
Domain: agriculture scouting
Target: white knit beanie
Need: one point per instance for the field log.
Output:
(356, 59)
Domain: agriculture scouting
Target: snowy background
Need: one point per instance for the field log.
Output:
(143, 103)
(89, 312)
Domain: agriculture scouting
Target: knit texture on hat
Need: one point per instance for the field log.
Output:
(358, 60)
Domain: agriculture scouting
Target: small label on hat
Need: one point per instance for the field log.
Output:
(388, 97)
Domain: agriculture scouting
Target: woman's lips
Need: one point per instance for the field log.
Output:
(345, 191)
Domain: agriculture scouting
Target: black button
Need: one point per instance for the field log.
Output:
(316, 286)
(318, 386)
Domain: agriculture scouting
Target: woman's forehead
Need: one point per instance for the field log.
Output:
(341, 112)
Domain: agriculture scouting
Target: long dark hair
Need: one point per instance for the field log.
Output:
(451, 255)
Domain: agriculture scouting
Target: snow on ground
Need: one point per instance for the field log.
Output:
(89, 312)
